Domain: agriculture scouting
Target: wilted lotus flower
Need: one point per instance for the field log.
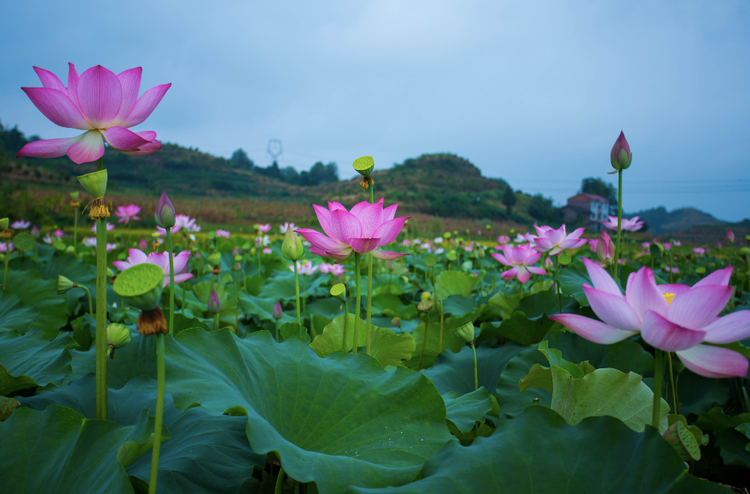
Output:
(127, 213)
(20, 225)
(620, 156)
(103, 104)
(164, 214)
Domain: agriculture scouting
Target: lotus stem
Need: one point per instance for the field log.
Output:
(658, 377)
(171, 280)
(357, 256)
(557, 284)
(5, 270)
(217, 320)
(296, 291)
(279, 481)
(369, 299)
(424, 342)
(346, 318)
(476, 374)
(675, 402)
(619, 224)
(440, 305)
(75, 230)
(101, 314)
(91, 305)
(160, 377)
(236, 304)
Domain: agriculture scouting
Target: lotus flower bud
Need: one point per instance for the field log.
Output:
(730, 236)
(4, 223)
(277, 311)
(605, 249)
(488, 227)
(620, 156)
(165, 214)
(35, 231)
(292, 248)
(64, 285)
(118, 335)
(426, 296)
(214, 306)
(465, 332)
(339, 291)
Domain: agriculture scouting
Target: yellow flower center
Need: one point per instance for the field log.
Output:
(669, 297)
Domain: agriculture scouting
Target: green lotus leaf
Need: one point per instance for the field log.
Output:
(451, 341)
(464, 411)
(337, 421)
(14, 314)
(31, 360)
(518, 328)
(24, 242)
(509, 396)
(454, 372)
(540, 452)
(455, 283)
(34, 291)
(626, 355)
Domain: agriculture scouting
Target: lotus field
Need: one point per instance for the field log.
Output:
(355, 357)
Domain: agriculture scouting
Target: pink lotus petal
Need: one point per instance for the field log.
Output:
(130, 80)
(612, 309)
(388, 231)
(318, 252)
(576, 233)
(573, 243)
(718, 277)
(509, 274)
(48, 148)
(389, 213)
(714, 361)
(73, 85)
(324, 218)
(146, 149)
(364, 245)
(123, 139)
(50, 80)
(642, 294)
(137, 256)
(698, 307)
(161, 260)
(341, 254)
(592, 330)
(121, 265)
(532, 257)
(57, 107)
(370, 217)
(675, 288)
(387, 255)
(501, 259)
(99, 96)
(601, 278)
(523, 274)
(360, 206)
(181, 260)
(178, 278)
(730, 328)
(543, 243)
(344, 226)
(89, 148)
(319, 240)
(535, 270)
(145, 105)
(333, 206)
(663, 334)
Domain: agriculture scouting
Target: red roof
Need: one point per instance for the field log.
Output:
(587, 198)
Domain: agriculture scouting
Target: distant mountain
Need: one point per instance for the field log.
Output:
(661, 221)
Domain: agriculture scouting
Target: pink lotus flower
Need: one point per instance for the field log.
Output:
(593, 243)
(20, 225)
(334, 269)
(677, 243)
(264, 228)
(180, 262)
(667, 246)
(503, 239)
(222, 233)
(364, 229)
(143, 244)
(699, 251)
(286, 225)
(305, 267)
(3, 247)
(267, 251)
(103, 104)
(556, 241)
(730, 236)
(521, 259)
(91, 242)
(127, 213)
(34, 231)
(673, 318)
(628, 225)
(110, 227)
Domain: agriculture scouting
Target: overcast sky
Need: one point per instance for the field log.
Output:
(535, 92)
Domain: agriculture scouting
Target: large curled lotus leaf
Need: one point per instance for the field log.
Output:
(538, 452)
(385, 283)
(14, 314)
(465, 411)
(717, 421)
(387, 347)
(455, 283)
(205, 454)
(328, 307)
(451, 341)
(735, 447)
(224, 245)
(626, 355)
(534, 305)
(59, 450)
(509, 396)
(34, 291)
(454, 372)
(31, 360)
(572, 280)
(337, 421)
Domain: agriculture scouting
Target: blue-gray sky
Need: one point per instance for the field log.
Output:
(533, 92)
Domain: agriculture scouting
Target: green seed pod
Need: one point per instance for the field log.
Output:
(118, 335)
(64, 285)
(451, 256)
(364, 165)
(292, 248)
(396, 322)
(465, 332)
(24, 242)
(430, 260)
(238, 258)
(339, 291)
(447, 235)
(141, 286)
(4, 223)
(95, 183)
(424, 306)
(683, 441)
(74, 195)
(246, 246)
(425, 296)
(214, 258)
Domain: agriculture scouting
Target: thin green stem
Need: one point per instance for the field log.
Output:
(619, 224)
(424, 341)
(675, 402)
(346, 318)
(658, 378)
(101, 319)
(357, 256)
(476, 374)
(369, 301)
(671, 274)
(557, 284)
(217, 320)
(279, 481)
(236, 304)
(91, 305)
(160, 382)
(440, 306)
(75, 229)
(5, 270)
(296, 292)
(171, 280)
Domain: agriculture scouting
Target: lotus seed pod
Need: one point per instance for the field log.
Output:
(246, 246)
(424, 306)
(74, 195)
(140, 286)
(278, 311)
(447, 235)
(238, 258)
(64, 285)
(396, 322)
(24, 242)
(292, 248)
(451, 256)
(465, 332)
(339, 291)
(430, 260)
(683, 441)
(426, 296)
(488, 227)
(214, 258)
(165, 213)
(364, 165)
(745, 251)
(95, 183)
(620, 156)
(118, 335)
(4, 223)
